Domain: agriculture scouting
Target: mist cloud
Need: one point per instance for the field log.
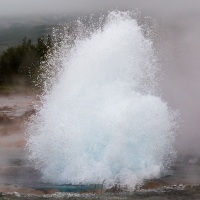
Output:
(154, 7)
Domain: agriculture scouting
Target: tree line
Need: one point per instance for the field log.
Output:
(20, 64)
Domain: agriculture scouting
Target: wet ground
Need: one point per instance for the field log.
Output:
(15, 110)
(17, 174)
(189, 192)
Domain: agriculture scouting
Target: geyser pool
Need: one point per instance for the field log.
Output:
(101, 119)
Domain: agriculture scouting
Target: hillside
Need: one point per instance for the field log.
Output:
(13, 30)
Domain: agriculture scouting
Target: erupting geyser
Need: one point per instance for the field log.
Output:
(101, 119)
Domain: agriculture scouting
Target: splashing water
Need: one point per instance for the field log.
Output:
(101, 119)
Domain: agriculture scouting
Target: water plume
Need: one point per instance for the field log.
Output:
(101, 119)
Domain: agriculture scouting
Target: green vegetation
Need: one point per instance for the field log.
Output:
(19, 65)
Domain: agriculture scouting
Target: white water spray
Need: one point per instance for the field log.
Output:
(101, 119)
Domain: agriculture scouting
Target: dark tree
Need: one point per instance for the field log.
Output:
(22, 62)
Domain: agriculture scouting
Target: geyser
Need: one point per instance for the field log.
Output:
(101, 119)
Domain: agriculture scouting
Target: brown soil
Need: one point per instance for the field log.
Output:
(154, 184)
